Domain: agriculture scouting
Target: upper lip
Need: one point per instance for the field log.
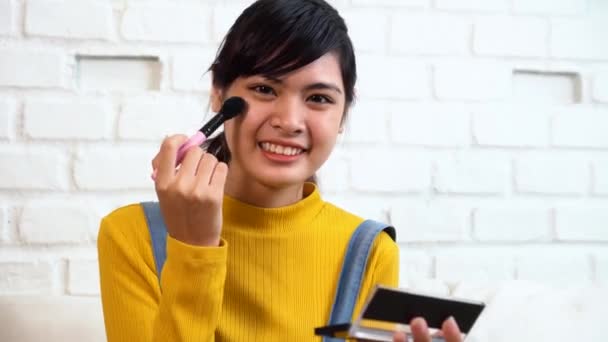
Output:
(284, 143)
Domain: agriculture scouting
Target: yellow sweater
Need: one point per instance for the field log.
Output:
(272, 278)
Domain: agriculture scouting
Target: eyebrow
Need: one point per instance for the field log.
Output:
(318, 85)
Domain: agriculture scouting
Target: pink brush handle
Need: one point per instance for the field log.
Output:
(196, 140)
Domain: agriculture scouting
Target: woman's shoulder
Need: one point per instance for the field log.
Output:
(129, 214)
(384, 241)
(127, 222)
(340, 214)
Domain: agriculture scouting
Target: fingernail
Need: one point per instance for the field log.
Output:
(419, 321)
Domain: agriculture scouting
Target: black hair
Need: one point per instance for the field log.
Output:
(275, 37)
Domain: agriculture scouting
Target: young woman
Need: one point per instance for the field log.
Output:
(253, 251)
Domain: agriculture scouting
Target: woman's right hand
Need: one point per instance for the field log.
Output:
(191, 197)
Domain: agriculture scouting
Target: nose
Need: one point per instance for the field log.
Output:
(288, 116)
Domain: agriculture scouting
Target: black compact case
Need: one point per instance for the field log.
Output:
(390, 309)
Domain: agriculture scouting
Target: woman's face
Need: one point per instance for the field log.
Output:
(290, 126)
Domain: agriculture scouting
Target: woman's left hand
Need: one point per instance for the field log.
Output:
(420, 331)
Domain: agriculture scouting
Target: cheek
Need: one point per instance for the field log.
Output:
(325, 133)
(241, 128)
(229, 135)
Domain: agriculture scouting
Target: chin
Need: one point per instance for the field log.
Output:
(281, 181)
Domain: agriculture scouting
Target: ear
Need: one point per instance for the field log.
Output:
(216, 99)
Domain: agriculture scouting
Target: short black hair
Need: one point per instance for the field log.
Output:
(275, 37)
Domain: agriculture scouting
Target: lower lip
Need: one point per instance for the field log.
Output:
(280, 157)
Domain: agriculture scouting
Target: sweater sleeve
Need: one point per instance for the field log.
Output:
(134, 307)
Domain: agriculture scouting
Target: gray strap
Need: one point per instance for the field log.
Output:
(353, 268)
(158, 234)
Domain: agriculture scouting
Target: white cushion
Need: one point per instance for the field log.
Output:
(529, 312)
(51, 318)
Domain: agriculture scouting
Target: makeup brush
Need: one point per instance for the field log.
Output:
(230, 108)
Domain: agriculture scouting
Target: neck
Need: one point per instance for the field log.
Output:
(262, 195)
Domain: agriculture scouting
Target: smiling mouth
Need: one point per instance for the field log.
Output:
(280, 149)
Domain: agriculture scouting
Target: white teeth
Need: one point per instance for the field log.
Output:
(278, 149)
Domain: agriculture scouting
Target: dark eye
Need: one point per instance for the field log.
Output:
(320, 99)
(263, 89)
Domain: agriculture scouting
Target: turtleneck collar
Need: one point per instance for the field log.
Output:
(245, 216)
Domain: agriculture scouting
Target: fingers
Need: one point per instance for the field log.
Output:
(420, 330)
(219, 178)
(451, 331)
(165, 159)
(189, 165)
(200, 174)
(211, 178)
(399, 337)
(206, 165)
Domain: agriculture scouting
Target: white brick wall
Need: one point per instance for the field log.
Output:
(123, 168)
(510, 126)
(152, 118)
(551, 175)
(601, 268)
(31, 67)
(223, 17)
(33, 168)
(83, 277)
(70, 19)
(600, 177)
(511, 224)
(474, 264)
(391, 3)
(430, 34)
(473, 5)
(479, 170)
(549, 6)
(416, 265)
(7, 118)
(483, 174)
(56, 223)
(430, 224)
(361, 127)
(368, 30)
(373, 81)
(47, 118)
(600, 87)
(406, 172)
(581, 128)
(167, 23)
(429, 125)
(581, 224)
(485, 81)
(26, 278)
(578, 38)
(3, 223)
(509, 36)
(184, 78)
(555, 266)
(6, 17)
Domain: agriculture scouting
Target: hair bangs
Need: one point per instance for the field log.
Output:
(287, 38)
